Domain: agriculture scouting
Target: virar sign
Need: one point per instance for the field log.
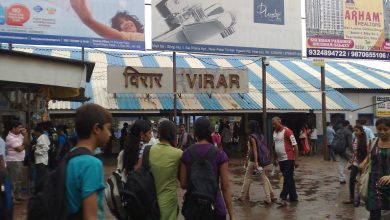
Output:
(189, 80)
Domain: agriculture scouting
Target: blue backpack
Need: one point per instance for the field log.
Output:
(264, 157)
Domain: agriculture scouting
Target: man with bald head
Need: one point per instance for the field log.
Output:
(285, 155)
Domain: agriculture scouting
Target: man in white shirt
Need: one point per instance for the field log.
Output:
(41, 149)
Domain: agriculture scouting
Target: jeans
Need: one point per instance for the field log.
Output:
(332, 156)
(248, 180)
(287, 169)
(15, 169)
(42, 172)
(342, 163)
(352, 181)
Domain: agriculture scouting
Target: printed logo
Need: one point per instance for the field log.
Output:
(51, 11)
(17, 15)
(269, 11)
(38, 9)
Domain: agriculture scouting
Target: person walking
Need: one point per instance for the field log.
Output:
(216, 139)
(226, 137)
(370, 135)
(379, 182)
(304, 138)
(16, 143)
(84, 174)
(286, 153)
(219, 164)
(343, 137)
(252, 164)
(6, 211)
(164, 161)
(313, 139)
(140, 133)
(360, 146)
(41, 155)
(185, 140)
(123, 135)
(330, 136)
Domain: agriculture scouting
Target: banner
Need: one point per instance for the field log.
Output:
(188, 80)
(116, 24)
(351, 29)
(254, 27)
(382, 107)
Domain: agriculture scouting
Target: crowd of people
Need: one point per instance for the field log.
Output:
(196, 160)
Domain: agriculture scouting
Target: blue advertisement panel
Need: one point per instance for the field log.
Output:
(254, 27)
(116, 24)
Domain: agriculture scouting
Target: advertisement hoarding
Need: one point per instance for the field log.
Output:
(189, 80)
(382, 108)
(351, 29)
(255, 27)
(117, 24)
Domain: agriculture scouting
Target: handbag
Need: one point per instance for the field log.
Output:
(363, 182)
(365, 176)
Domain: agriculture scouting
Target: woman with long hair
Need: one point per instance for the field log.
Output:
(139, 135)
(378, 196)
(164, 161)
(252, 163)
(219, 164)
(360, 144)
(304, 138)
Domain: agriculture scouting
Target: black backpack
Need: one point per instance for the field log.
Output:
(339, 143)
(139, 194)
(50, 203)
(199, 199)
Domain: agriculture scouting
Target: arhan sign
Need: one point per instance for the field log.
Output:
(159, 80)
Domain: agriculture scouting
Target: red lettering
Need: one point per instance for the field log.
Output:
(375, 16)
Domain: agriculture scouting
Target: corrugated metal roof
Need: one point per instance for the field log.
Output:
(291, 84)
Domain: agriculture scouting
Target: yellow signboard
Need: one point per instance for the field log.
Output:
(382, 107)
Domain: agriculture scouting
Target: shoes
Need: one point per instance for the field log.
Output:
(242, 199)
(347, 202)
(343, 182)
(281, 202)
(293, 200)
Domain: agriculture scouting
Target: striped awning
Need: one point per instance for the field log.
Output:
(292, 85)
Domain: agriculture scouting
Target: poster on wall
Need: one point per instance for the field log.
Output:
(116, 24)
(255, 27)
(351, 29)
(382, 107)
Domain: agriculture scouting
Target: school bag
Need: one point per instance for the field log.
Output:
(199, 199)
(139, 193)
(339, 143)
(263, 154)
(50, 203)
(113, 194)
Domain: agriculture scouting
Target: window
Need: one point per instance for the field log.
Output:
(369, 118)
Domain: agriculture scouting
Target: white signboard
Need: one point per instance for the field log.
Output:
(189, 80)
(212, 80)
(254, 27)
(139, 80)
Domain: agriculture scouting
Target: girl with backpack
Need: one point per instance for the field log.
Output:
(140, 133)
(252, 163)
(164, 161)
(204, 165)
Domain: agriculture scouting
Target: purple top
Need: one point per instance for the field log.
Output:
(219, 159)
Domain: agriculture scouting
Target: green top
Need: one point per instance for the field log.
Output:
(164, 161)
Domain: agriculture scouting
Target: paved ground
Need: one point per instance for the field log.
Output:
(320, 194)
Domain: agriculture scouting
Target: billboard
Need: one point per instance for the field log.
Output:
(189, 80)
(382, 107)
(254, 27)
(351, 29)
(117, 24)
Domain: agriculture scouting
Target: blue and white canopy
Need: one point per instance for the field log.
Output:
(292, 85)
